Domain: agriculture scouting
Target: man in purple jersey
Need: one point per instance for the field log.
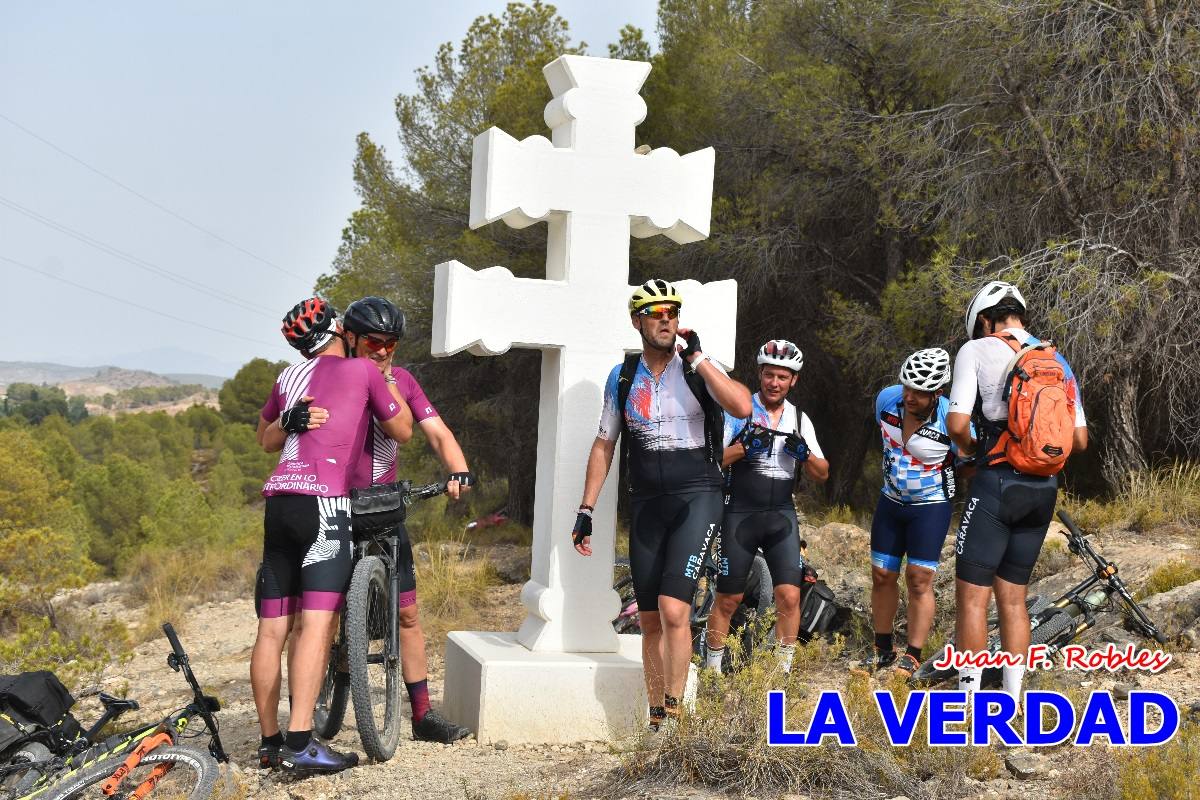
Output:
(373, 325)
(306, 543)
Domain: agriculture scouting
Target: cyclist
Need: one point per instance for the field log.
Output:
(671, 414)
(306, 544)
(760, 512)
(1007, 511)
(373, 326)
(912, 517)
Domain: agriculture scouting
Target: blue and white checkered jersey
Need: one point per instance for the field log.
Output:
(920, 470)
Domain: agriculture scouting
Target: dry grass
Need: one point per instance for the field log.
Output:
(1156, 497)
(453, 585)
(171, 581)
(1169, 576)
(1167, 772)
(722, 744)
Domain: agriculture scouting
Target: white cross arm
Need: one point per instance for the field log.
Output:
(523, 182)
(493, 311)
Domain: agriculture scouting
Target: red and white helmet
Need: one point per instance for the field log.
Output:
(994, 293)
(926, 370)
(781, 353)
(310, 325)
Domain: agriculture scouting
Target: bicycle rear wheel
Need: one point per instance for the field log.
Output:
(330, 711)
(374, 670)
(190, 774)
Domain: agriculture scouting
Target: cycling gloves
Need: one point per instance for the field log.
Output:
(583, 526)
(796, 447)
(295, 419)
(693, 346)
(464, 479)
(755, 438)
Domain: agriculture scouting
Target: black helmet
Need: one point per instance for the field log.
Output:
(374, 315)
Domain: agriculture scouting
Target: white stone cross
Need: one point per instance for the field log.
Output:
(594, 191)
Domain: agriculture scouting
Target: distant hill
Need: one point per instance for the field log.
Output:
(95, 381)
(207, 381)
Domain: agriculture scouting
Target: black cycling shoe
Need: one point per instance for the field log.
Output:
(433, 727)
(316, 758)
(268, 756)
(879, 659)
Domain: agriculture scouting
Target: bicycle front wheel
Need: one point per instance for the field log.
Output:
(171, 771)
(374, 669)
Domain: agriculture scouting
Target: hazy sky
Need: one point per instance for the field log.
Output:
(238, 117)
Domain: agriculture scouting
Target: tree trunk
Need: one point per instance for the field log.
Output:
(1121, 446)
(846, 470)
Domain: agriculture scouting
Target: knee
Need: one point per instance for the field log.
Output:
(787, 598)
(674, 615)
(409, 618)
(728, 603)
(650, 623)
(881, 578)
(919, 581)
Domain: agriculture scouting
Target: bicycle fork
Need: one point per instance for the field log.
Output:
(393, 633)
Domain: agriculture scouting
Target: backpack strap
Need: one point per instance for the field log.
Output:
(624, 384)
(714, 416)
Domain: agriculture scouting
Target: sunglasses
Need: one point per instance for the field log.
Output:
(660, 311)
(375, 345)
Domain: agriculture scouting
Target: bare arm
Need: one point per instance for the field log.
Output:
(446, 448)
(959, 427)
(270, 436)
(1079, 440)
(735, 452)
(733, 396)
(399, 427)
(598, 464)
(816, 469)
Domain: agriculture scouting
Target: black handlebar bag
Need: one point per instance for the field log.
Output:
(378, 509)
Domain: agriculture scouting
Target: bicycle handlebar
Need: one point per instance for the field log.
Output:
(1080, 541)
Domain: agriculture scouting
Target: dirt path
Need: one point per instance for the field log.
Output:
(218, 636)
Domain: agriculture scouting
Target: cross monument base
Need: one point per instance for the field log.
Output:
(503, 691)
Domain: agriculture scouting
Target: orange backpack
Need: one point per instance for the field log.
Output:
(1041, 410)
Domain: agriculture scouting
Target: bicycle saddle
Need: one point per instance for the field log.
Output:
(117, 704)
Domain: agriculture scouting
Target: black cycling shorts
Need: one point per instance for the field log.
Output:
(669, 537)
(1003, 525)
(406, 568)
(307, 555)
(744, 533)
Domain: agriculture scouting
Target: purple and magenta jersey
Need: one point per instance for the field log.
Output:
(378, 463)
(321, 462)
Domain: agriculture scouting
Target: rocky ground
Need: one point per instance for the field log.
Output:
(218, 635)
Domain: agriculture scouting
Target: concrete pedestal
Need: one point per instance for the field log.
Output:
(504, 691)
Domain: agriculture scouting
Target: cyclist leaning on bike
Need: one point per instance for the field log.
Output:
(912, 516)
(307, 542)
(1008, 510)
(763, 453)
(672, 419)
(373, 326)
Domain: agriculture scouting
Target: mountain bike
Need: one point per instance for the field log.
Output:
(364, 662)
(1057, 623)
(131, 764)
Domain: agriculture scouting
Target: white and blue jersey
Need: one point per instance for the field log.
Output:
(920, 470)
(765, 480)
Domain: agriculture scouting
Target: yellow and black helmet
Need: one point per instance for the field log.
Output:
(652, 291)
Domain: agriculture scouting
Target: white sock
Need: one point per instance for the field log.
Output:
(969, 679)
(786, 652)
(715, 656)
(1013, 678)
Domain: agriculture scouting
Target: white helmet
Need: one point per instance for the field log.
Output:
(781, 353)
(926, 370)
(990, 296)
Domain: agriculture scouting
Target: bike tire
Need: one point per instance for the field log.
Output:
(330, 711)
(368, 606)
(193, 775)
(21, 775)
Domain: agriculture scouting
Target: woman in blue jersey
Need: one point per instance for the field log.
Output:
(912, 517)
